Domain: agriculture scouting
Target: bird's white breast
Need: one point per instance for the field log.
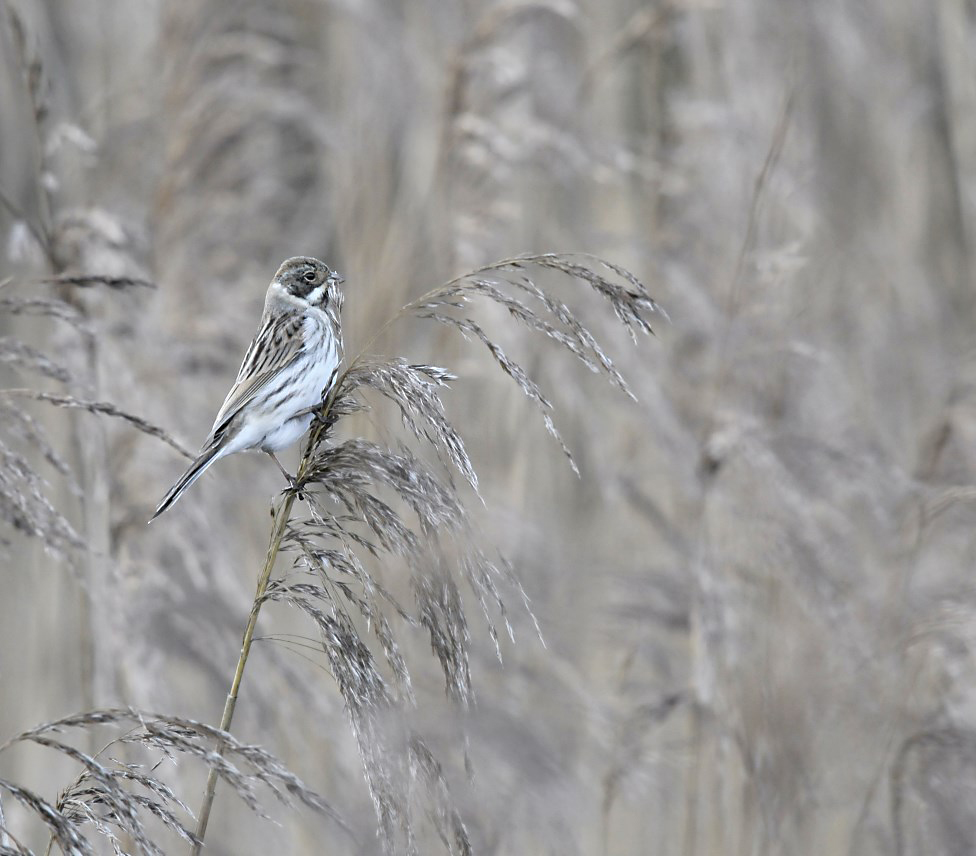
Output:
(309, 379)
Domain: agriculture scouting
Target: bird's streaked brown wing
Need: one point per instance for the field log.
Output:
(277, 345)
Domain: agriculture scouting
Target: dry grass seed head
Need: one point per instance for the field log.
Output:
(344, 483)
(117, 797)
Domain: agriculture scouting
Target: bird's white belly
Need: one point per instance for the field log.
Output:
(282, 436)
(286, 428)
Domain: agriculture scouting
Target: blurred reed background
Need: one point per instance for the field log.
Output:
(756, 600)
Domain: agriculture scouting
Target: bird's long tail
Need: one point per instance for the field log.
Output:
(194, 471)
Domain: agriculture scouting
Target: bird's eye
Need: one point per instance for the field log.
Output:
(309, 276)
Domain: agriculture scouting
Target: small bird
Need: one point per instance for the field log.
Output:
(288, 370)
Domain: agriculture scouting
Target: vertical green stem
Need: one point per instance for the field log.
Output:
(282, 514)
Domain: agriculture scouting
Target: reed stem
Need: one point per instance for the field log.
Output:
(279, 525)
(281, 516)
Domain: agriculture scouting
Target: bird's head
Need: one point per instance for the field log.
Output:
(311, 281)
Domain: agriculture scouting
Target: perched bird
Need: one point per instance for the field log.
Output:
(287, 371)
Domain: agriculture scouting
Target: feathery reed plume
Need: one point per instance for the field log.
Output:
(105, 409)
(25, 505)
(26, 499)
(38, 91)
(63, 237)
(90, 280)
(116, 799)
(629, 749)
(360, 499)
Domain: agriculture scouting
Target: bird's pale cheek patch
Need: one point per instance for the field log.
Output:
(315, 295)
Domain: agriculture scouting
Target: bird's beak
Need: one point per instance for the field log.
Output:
(338, 278)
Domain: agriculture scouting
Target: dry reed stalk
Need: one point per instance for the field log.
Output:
(280, 520)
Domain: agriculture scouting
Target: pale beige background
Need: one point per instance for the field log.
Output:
(758, 599)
